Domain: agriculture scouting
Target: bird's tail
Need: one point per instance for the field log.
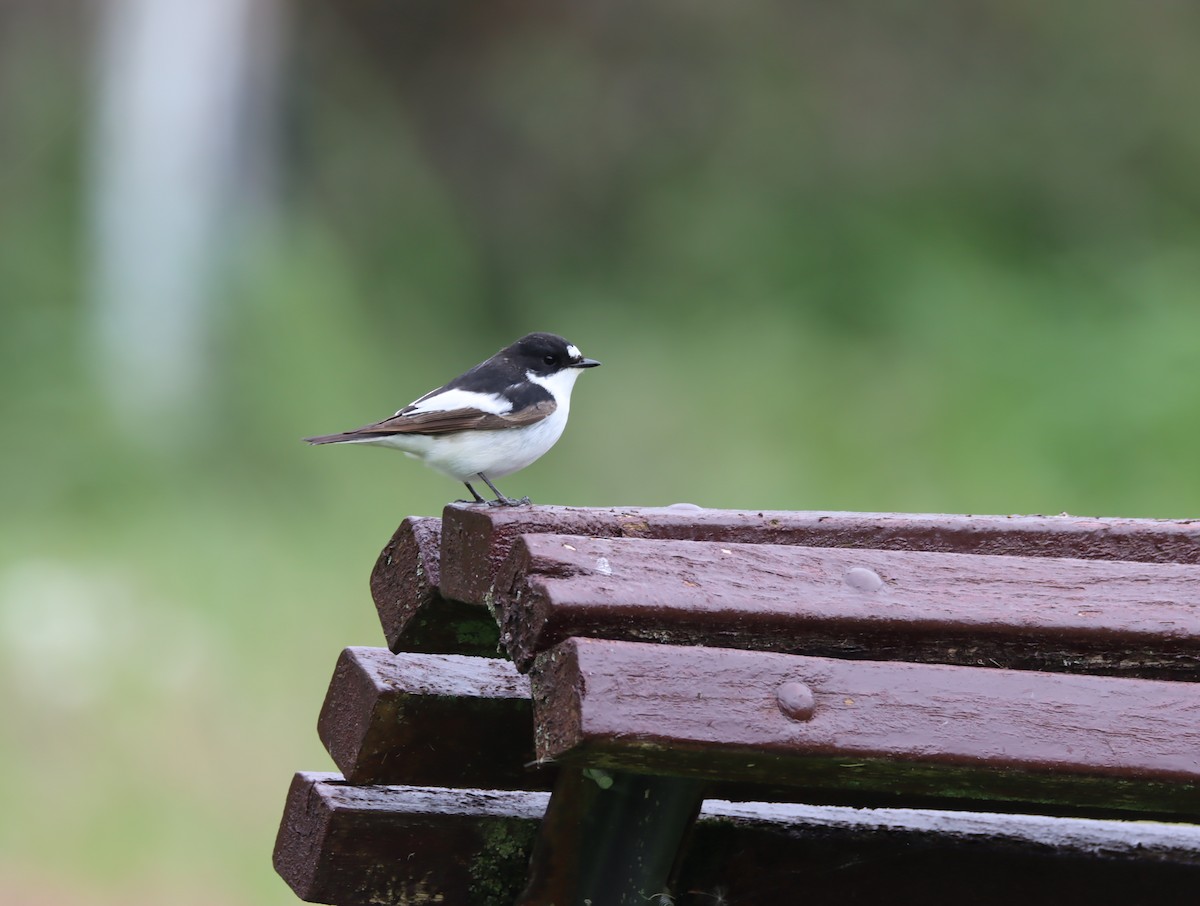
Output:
(340, 438)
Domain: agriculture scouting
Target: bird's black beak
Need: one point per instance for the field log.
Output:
(585, 363)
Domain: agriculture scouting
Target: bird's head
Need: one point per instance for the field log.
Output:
(546, 354)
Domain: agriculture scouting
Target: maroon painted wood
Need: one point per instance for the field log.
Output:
(412, 611)
(774, 854)
(366, 846)
(860, 731)
(405, 577)
(896, 728)
(1116, 617)
(476, 540)
(432, 719)
(338, 843)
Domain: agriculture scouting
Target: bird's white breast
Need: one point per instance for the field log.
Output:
(464, 454)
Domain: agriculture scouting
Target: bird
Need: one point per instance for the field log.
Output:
(490, 421)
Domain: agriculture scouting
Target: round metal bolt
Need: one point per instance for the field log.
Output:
(796, 701)
(864, 579)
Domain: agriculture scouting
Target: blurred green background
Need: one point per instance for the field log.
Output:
(848, 257)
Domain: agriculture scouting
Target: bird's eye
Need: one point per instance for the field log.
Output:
(550, 359)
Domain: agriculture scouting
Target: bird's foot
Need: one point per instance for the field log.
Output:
(501, 499)
(508, 501)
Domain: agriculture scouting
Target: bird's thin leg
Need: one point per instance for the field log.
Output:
(501, 500)
(474, 494)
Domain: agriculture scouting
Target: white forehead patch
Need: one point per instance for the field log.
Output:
(573, 351)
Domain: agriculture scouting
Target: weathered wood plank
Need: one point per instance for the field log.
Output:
(366, 846)
(412, 611)
(801, 854)
(1148, 841)
(476, 540)
(981, 734)
(353, 846)
(429, 719)
(1086, 616)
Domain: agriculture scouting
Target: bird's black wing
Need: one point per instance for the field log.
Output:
(441, 422)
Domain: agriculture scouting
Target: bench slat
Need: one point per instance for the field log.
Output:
(1088, 616)
(430, 719)
(983, 735)
(408, 599)
(364, 846)
(476, 540)
(358, 845)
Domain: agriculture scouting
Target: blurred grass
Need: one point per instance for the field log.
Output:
(783, 324)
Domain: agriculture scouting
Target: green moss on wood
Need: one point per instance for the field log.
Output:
(499, 872)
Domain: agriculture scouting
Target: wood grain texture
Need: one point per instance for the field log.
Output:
(405, 578)
(1115, 617)
(476, 540)
(405, 586)
(338, 843)
(984, 735)
(430, 719)
(758, 861)
(366, 846)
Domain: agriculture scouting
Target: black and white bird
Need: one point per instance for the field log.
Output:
(489, 422)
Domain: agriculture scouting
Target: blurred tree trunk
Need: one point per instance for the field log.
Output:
(178, 159)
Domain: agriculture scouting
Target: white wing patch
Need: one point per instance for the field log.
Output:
(449, 400)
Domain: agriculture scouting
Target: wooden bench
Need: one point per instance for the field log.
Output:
(735, 707)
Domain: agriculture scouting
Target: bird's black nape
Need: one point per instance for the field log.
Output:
(500, 500)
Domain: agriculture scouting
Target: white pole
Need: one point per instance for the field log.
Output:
(173, 82)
